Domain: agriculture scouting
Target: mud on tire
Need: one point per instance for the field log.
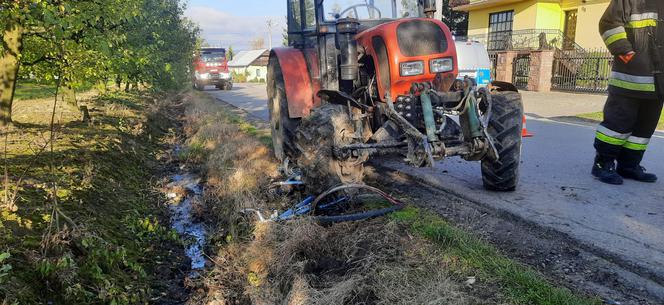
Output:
(281, 125)
(326, 127)
(505, 128)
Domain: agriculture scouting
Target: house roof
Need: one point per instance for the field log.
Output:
(480, 4)
(247, 58)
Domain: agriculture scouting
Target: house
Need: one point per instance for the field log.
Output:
(532, 24)
(250, 65)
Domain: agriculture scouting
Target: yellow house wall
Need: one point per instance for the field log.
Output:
(538, 14)
(587, 29)
(525, 15)
(548, 16)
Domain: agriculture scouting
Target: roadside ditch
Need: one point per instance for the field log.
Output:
(409, 257)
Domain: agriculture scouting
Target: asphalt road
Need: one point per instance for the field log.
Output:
(556, 189)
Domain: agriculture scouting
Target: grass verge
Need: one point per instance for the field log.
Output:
(599, 116)
(80, 220)
(29, 89)
(411, 257)
(466, 253)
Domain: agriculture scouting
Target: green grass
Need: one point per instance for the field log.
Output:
(599, 116)
(30, 89)
(103, 174)
(263, 135)
(465, 253)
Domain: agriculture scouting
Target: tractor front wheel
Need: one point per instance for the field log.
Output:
(327, 127)
(504, 128)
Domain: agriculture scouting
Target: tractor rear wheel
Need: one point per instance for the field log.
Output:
(327, 127)
(504, 128)
(281, 125)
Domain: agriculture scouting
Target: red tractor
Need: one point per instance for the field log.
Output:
(362, 78)
(211, 68)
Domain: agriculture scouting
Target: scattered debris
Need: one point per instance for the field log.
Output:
(325, 212)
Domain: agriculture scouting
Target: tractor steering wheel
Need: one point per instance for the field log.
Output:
(354, 9)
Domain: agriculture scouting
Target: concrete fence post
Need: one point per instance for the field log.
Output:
(541, 71)
(504, 66)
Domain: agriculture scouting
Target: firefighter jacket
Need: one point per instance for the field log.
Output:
(635, 25)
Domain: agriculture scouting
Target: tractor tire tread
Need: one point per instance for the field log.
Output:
(282, 138)
(327, 126)
(505, 127)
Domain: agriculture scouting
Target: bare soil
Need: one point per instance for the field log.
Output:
(560, 258)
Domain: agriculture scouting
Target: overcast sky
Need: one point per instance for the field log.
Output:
(236, 22)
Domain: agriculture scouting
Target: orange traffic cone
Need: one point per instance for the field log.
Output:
(524, 132)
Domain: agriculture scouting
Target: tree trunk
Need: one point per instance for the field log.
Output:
(12, 37)
(67, 93)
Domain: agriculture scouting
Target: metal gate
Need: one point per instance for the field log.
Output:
(586, 71)
(521, 71)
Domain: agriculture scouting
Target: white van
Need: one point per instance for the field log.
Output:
(473, 61)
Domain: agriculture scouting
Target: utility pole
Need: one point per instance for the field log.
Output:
(270, 24)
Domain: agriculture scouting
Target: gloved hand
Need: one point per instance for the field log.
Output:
(626, 58)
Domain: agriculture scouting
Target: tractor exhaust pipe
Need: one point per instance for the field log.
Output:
(346, 30)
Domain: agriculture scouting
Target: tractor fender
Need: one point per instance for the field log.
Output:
(297, 81)
(504, 86)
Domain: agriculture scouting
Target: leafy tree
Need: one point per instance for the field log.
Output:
(230, 53)
(159, 46)
(138, 41)
(455, 20)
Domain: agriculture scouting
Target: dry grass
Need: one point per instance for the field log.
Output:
(369, 262)
(299, 262)
(237, 167)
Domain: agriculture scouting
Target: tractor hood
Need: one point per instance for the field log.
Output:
(409, 50)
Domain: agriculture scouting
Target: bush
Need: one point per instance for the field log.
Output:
(240, 77)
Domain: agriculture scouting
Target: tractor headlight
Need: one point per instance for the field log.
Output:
(441, 65)
(412, 68)
(205, 75)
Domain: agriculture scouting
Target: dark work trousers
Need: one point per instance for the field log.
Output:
(628, 125)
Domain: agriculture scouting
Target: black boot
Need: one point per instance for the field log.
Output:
(637, 173)
(605, 170)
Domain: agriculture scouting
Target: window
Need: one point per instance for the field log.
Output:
(299, 10)
(258, 73)
(500, 30)
(294, 16)
(369, 10)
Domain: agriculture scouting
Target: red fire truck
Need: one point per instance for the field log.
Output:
(211, 68)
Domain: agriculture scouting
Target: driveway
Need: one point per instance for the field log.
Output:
(556, 191)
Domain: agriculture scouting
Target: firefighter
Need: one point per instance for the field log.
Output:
(633, 32)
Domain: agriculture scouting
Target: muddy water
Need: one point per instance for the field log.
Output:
(184, 192)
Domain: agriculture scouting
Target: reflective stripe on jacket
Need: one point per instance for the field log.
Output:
(634, 25)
